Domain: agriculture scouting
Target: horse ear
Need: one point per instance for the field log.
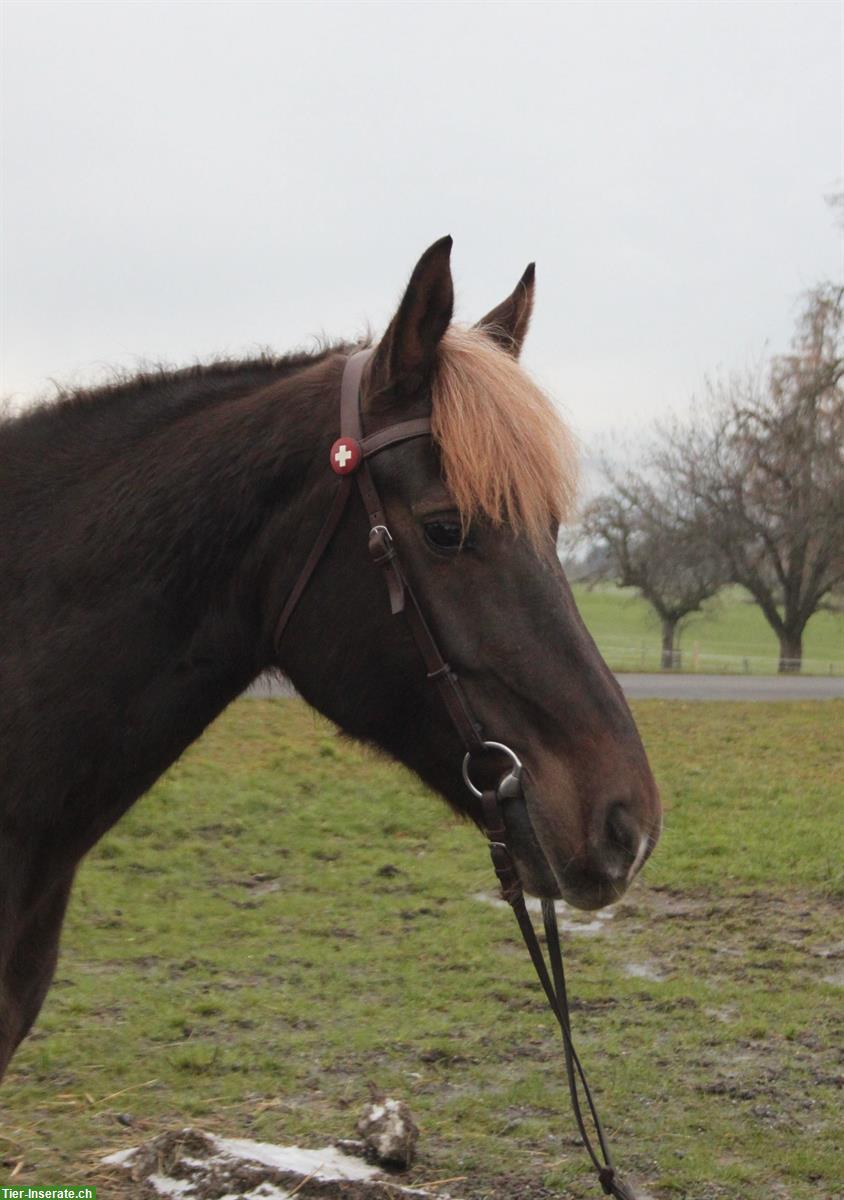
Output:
(406, 354)
(508, 323)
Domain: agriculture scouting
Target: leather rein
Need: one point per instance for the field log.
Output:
(349, 457)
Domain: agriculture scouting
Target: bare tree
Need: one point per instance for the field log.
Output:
(649, 539)
(765, 475)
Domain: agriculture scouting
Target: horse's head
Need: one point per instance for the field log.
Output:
(474, 513)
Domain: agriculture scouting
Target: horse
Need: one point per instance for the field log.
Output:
(151, 532)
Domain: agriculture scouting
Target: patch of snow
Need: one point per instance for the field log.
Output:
(184, 1188)
(120, 1157)
(165, 1186)
(327, 1164)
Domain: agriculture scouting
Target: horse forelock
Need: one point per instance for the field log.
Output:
(506, 452)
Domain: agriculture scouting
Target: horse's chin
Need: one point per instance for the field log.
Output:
(537, 877)
(540, 883)
(586, 890)
(577, 885)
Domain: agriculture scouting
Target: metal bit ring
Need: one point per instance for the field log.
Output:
(514, 774)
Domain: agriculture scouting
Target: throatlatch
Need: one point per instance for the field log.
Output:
(348, 459)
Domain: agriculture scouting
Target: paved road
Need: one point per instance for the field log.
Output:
(686, 687)
(732, 687)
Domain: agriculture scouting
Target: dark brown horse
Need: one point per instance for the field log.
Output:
(151, 530)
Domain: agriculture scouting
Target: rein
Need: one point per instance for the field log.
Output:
(349, 459)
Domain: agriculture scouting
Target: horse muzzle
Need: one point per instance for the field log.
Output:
(593, 872)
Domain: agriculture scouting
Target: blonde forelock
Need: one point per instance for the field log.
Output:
(506, 452)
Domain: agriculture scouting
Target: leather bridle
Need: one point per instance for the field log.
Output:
(349, 458)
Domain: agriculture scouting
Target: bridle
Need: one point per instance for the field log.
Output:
(349, 457)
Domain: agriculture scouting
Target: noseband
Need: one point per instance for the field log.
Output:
(349, 459)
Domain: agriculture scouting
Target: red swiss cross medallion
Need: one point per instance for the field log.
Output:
(345, 456)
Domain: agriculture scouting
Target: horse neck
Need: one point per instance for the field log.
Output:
(209, 507)
(139, 603)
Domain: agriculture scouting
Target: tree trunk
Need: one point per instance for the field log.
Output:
(669, 625)
(791, 653)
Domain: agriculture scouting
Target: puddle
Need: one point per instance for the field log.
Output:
(644, 971)
(569, 920)
(663, 902)
(726, 1014)
(832, 951)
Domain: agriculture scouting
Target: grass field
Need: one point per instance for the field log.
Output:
(286, 917)
(730, 635)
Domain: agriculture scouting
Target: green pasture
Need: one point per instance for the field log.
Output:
(286, 917)
(729, 635)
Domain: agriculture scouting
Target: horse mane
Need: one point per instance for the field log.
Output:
(506, 452)
(163, 388)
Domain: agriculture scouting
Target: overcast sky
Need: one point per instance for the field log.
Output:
(185, 179)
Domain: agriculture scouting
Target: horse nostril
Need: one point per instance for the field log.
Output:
(621, 837)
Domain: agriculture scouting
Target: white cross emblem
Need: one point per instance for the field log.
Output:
(342, 456)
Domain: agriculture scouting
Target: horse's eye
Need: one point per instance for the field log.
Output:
(445, 536)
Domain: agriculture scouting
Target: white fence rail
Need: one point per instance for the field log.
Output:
(646, 655)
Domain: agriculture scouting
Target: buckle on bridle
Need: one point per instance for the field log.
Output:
(381, 548)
